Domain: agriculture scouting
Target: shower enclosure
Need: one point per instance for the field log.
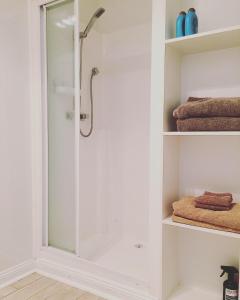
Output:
(96, 132)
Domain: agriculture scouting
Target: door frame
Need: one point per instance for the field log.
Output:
(39, 130)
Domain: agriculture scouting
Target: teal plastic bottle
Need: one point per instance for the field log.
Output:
(180, 25)
(191, 22)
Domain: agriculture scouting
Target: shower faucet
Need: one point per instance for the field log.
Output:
(83, 35)
(84, 117)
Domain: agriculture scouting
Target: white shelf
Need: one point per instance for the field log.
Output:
(168, 221)
(190, 293)
(202, 133)
(208, 41)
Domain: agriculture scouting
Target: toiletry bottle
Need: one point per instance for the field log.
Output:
(191, 22)
(180, 25)
(230, 286)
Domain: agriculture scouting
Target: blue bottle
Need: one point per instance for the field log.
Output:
(191, 22)
(180, 25)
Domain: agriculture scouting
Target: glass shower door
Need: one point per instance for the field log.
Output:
(61, 125)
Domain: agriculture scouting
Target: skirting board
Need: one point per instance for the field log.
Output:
(110, 290)
(17, 272)
(89, 282)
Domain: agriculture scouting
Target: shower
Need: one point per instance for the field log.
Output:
(94, 72)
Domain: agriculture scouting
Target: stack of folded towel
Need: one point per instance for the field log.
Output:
(215, 201)
(187, 211)
(208, 114)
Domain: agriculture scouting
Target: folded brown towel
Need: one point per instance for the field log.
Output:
(213, 207)
(209, 124)
(185, 208)
(214, 200)
(208, 107)
(201, 224)
(218, 194)
(194, 99)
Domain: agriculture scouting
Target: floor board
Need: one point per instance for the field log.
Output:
(37, 287)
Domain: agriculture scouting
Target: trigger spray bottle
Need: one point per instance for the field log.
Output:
(230, 286)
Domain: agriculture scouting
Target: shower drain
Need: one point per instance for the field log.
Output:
(138, 246)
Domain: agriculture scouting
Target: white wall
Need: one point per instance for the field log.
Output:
(127, 103)
(210, 14)
(92, 149)
(114, 160)
(15, 168)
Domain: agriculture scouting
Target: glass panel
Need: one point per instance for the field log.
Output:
(61, 129)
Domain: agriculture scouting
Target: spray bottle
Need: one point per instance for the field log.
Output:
(230, 286)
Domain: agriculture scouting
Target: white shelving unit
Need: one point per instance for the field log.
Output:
(203, 133)
(206, 64)
(169, 222)
(207, 41)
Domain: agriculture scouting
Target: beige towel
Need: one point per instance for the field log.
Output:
(208, 107)
(200, 224)
(209, 124)
(185, 208)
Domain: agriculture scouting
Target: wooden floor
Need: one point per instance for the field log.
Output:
(37, 287)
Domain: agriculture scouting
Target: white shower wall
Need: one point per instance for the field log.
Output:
(91, 149)
(126, 98)
(114, 160)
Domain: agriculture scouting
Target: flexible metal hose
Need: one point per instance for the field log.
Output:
(83, 134)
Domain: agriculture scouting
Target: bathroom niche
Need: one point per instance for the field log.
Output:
(192, 263)
(194, 164)
(210, 13)
(205, 74)
(202, 65)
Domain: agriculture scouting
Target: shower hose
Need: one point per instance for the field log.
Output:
(83, 116)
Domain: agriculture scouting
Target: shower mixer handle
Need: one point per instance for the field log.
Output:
(84, 117)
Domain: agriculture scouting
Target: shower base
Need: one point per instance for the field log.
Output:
(128, 257)
(125, 256)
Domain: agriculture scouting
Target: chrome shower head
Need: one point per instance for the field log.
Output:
(94, 18)
(99, 12)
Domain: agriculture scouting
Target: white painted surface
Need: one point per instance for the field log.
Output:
(118, 16)
(207, 41)
(212, 14)
(128, 282)
(194, 259)
(194, 164)
(168, 221)
(207, 74)
(198, 161)
(215, 74)
(127, 108)
(127, 258)
(181, 248)
(90, 277)
(114, 160)
(15, 154)
(190, 292)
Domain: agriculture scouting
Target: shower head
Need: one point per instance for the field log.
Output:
(99, 12)
(93, 19)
